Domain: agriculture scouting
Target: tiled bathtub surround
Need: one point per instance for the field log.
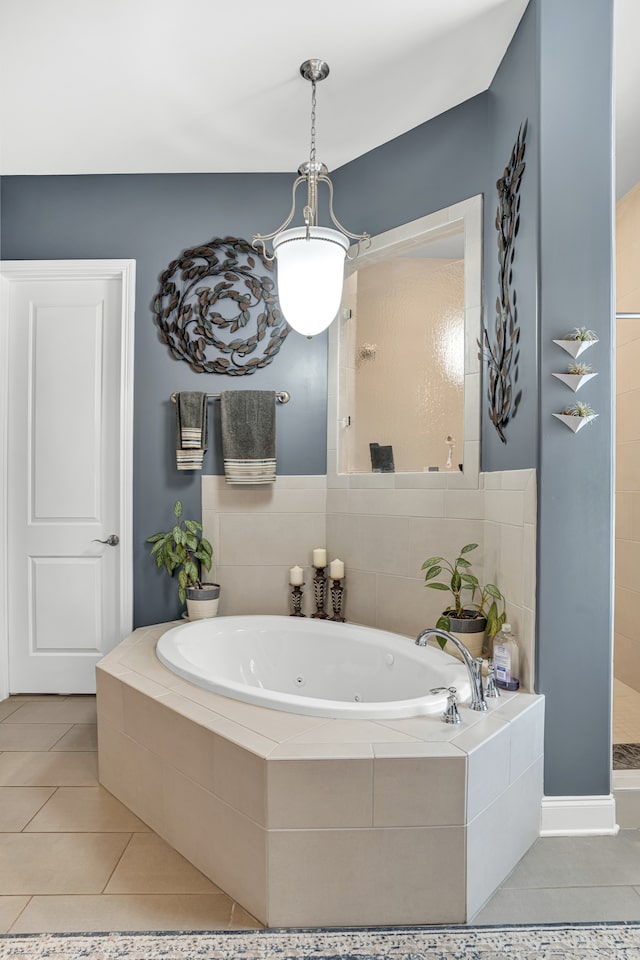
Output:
(258, 534)
(383, 527)
(298, 818)
(384, 535)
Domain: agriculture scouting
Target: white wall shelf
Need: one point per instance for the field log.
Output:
(575, 347)
(575, 380)
(574, 423)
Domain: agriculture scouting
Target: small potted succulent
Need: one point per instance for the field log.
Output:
(579, 369)
(576, 375)
(576, 342)
(183, 548)
(474, 619)
(577, 415)
(581, 333)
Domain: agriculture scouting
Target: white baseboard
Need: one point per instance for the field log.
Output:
(578, 816)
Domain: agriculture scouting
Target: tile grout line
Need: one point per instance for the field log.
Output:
(40, 808)
(10, 714)
(117, 864)
(15, 920)
(71, 726)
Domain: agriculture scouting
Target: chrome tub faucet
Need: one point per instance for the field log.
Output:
(474, 667)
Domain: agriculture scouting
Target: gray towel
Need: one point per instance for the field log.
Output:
(191, 429)
(248, 419)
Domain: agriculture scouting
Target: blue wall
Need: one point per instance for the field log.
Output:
(556, 73)
(152, 219)
(575, 563)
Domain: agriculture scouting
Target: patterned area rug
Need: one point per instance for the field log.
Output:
(601, 941)
(626, 756)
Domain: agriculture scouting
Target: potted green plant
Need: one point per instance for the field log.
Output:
(183, 548)
(472, 619)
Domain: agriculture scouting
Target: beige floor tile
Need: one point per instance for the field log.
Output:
(150, 865)
(68, 914)
(31, 736)
(48, 769)
(7, 707)
(19, 804)
(58, 863)
(84, 810)
(10, 910)
(81, 736)
(67, 710)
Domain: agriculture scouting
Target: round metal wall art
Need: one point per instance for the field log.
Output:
(209, 294)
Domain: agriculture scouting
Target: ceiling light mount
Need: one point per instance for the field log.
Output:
(311, 258)
(315, 70)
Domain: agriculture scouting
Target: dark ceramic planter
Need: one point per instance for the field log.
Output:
(471, 631)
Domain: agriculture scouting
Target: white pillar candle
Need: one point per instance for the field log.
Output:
(319, 557)
(296, 576)
(336, 569)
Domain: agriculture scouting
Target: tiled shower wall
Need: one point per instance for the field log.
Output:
(383, 536)
(627, 588)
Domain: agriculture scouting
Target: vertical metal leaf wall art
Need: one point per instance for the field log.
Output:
(213, 291)
(502, 353)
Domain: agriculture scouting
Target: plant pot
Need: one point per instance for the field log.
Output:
(469, 630)
(575, 347)
(202, 602)
(575, 380)
(573, 422)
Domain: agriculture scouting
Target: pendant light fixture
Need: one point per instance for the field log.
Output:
(310, 257)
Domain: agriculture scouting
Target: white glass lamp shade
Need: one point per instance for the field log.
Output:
(310, 276)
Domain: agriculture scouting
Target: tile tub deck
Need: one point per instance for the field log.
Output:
(308, 821)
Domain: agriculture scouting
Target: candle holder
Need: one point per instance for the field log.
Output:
(337, 599)
(296, 600)
(320, 593)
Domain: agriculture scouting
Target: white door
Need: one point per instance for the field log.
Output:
(68, 428)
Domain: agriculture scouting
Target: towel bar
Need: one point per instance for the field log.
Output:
(283, 396)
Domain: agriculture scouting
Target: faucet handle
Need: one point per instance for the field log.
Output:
(451, 714)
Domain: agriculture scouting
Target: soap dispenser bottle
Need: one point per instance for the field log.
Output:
(506, 659)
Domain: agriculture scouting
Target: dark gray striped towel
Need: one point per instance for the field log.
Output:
(191, 429)
(248, 420)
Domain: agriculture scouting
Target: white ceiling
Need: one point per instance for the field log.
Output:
(151, 86)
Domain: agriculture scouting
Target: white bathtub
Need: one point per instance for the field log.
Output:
(313, 667)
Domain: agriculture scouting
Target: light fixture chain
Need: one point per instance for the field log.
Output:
(311, 209)
(312, 152)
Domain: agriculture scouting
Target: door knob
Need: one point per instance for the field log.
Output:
(112, 540)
